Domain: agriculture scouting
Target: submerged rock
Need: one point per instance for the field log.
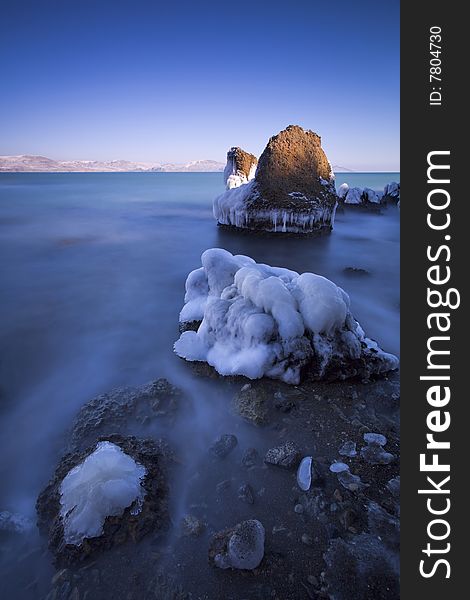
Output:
(223, 445)
(250, 458)
(348, 449)
(373, 452)
(258, 321)
(192, 526)
(100, 497)
(362, 568)
(124, 410)
(239, 548)
(240, 168)
(292, 192)
(286, 456)
(246, 494)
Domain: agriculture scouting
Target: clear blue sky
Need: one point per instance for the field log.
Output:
(175, 81)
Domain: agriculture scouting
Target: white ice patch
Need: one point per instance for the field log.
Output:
(234, 178)
(343, 190)
(104, 484)
(353, 196)
(258, 320)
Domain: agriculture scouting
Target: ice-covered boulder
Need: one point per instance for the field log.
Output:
(343, 190)
(354, 195)
(359, 196)
(371, 196)
(240, 168)
(392, 190)
(260, 321)
(103, 496)
(293, 190)
(239, 548)
(104, 484)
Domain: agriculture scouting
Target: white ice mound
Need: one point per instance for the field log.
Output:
(256, 320)
(104, 484)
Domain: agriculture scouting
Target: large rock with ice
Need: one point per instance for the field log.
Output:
(293, 190)
(260, 321)
(111, 492)
(239, 548)
(240, 168)
(392, 191)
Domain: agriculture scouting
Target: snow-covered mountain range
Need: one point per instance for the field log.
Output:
(32, 163)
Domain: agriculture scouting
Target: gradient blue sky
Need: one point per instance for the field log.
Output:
(178, 81)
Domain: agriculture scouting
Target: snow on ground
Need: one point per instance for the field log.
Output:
(104, 484)
(258, 320)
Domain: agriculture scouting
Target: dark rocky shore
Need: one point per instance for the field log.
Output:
(338, 540)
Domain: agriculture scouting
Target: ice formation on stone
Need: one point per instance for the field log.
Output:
(240, 168)
(256, 320)
(292, 190)
(104, 484)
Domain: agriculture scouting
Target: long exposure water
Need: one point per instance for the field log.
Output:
(92, 280)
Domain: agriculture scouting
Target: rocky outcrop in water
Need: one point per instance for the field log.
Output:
(293, 190)
(367, 197)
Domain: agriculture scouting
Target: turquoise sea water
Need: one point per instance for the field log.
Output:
(93, 268)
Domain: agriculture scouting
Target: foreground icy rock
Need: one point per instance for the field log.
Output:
(293, 190)
(240, 168)
(104, 484)
(113, 491)
(255, 320)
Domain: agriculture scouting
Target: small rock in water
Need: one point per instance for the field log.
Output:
(375, 438)
(350, 482)
(307, 539)
(245, 493)
(338, 467)
(239, 548)
(192, 526)
(373, 453)
(223, 445)
(282, 403)
(348, 449)
(250, 457)
(394, 486)
(355, 271)
(286, 456)
(298, 509)
(304, 473)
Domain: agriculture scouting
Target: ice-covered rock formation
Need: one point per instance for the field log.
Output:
(356, 195)
(392, 190)
(104, 484)
(255, 320)
(240, 168)
(367, 196)
(111, 492)
(293, 190)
